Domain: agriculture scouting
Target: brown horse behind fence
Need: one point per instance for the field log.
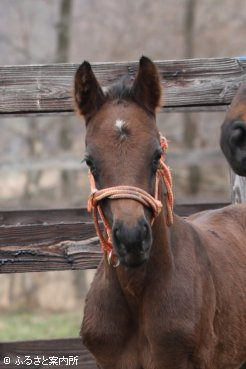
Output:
(169, 293)
(233, 132)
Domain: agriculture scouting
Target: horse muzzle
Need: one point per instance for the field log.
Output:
(132, 242)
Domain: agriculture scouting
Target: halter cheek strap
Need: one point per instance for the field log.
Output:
(134, 193)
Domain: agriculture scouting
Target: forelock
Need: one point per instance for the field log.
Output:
(121, 90)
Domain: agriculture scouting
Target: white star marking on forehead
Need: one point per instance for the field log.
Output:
(121, 128)
(119, 124)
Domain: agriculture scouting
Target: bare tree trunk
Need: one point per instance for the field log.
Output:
(190, 127)
(33, 137)
(65, 140)
(189, 28)
(62, 55)
(28, 286)
(63, 34)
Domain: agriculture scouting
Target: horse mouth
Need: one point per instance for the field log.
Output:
(133, 259)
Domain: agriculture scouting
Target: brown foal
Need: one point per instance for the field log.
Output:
(173, 294)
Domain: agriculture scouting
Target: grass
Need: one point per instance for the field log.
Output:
(38, 325)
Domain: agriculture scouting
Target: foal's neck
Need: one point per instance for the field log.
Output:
(133, 281)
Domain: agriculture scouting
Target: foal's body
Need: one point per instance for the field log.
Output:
(189, 316)
(177, 299)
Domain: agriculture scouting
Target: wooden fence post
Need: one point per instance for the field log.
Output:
(238, 186)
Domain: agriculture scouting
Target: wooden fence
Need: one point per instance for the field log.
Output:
(65, 239)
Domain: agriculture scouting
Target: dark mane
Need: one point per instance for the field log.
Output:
(121, 90)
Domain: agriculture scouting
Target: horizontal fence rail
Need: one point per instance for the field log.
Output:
(46, 240)
(189, 85)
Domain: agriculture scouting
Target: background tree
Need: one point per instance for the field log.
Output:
(190, 125)
(62, 56)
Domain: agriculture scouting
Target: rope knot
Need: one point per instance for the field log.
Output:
(92, 202)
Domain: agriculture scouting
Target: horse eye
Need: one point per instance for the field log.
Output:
(90, 163)
(156, 160)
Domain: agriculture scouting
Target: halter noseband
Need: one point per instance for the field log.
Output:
(134, 193)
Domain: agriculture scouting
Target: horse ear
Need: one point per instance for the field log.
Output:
(88, 94)
(147, 87)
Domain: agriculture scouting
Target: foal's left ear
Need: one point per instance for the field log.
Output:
(147, 85)
(88, 94)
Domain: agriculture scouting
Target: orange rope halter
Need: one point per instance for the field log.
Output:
(134, 193)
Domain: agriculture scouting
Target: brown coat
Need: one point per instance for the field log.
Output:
(177, 299)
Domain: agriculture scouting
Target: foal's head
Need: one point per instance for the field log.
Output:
(123, 148)
(233, 132)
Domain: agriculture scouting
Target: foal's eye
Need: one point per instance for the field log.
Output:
(156, 160)
(91, 165)
(89, 162)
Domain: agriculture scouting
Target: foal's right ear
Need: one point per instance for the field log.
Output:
(88, 94)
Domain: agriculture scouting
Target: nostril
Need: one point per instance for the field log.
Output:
(145, 231)
(238, 134)
(132, 238)
(116, 233)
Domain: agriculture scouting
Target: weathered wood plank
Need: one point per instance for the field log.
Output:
(68, 353)
(175, 109)
(45, 253)
(45, 240)
(197, 83)
(49, 216)
(79, 215)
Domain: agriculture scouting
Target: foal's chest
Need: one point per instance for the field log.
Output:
(115, 336)
(119, 342)
(135, 353)
(122, 336)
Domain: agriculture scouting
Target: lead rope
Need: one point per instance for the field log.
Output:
(134, 193)
(165, 173)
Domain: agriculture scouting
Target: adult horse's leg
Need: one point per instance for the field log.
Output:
(233, 133)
